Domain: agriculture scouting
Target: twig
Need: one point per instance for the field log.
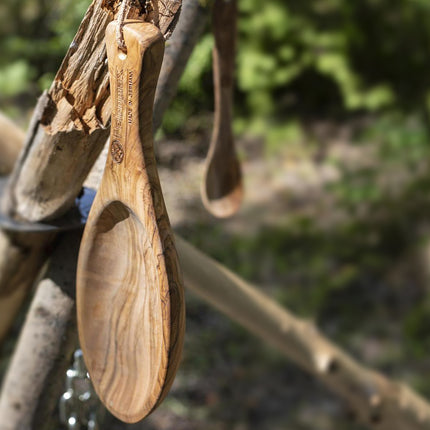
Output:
(379, 403)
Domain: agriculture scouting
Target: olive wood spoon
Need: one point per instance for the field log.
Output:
(222, 189)
(130, 303)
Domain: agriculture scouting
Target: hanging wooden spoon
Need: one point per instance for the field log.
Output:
(222, 189)
(129, 290)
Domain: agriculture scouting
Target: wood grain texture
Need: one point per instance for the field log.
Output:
(21, 255)
(222, 189)
(69, 127)
(129, 289)
(401, 408)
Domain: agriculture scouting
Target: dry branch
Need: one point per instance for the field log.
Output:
(21, 255)
(71, 122)
(27, 260)
(36, 375)
(379, 403)
(11, 141)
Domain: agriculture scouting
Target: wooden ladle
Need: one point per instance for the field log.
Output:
(129, 290)
(222, 189)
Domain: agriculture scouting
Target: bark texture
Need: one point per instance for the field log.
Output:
(35, 378)
(66, 135)
(71, 122)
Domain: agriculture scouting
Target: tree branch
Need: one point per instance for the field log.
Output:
(379, 403)
(35, 379)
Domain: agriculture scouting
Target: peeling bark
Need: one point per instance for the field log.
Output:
(380, 403)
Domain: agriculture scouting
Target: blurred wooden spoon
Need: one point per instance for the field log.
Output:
(222, 189)
(129, 290)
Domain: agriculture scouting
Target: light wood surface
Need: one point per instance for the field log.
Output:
(366, 392)
(222, 189)
(129, 288)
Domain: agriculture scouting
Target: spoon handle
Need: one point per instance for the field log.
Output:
(224, 22)
(222, 188)
(133, 79)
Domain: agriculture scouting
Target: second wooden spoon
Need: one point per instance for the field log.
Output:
(129, 290)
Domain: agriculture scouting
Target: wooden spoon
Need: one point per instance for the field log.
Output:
(129, 289)
(222, 189)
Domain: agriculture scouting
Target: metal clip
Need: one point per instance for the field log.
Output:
(79, 405)
(74, 219)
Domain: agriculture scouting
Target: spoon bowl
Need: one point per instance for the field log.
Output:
(223, 187)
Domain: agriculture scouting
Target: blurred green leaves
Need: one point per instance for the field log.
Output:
(14, 78)
(34, 37)
(200, 63)
(320, 57)
(314, 57)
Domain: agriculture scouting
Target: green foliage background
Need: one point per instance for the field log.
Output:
(320, 57)
(34, 36)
